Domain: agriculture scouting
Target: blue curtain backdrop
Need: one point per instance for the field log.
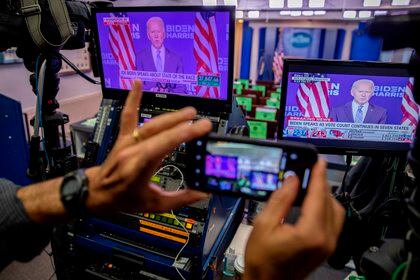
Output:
(246, 51)
(363, 46)
(268, 42)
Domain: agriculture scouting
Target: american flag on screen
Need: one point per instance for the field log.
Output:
(312, 99)
(409, 107)
(206, 51)
(122, 48)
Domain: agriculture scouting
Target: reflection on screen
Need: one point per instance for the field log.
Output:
(182, 53)
(221, 166)
(243, 167)
(350, 107)
(264, 180)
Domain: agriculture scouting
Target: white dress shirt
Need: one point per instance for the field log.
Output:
(162, 56)
(355, 107)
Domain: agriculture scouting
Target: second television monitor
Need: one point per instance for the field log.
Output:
(348, 107)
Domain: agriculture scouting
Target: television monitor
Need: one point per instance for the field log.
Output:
(183, 55)
(348, 106)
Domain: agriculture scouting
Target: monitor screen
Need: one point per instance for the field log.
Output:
(246, 168)
(178, 51)
(348, 106)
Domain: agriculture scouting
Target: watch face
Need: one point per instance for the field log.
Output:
(71, 186)
(74, 192)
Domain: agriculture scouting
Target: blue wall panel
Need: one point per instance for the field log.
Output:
(13, 145)
(246, 50)
(363, 46)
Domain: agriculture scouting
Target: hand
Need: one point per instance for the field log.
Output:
(283, 251)
(278, 67)
(123, 181)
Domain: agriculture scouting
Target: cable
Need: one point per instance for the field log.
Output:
(398, 270)
(348, 163)
(174, 216)
(77, 70)
(40, 90)
(37, 105)
(52, 263)
(183, 247)
(407, 269)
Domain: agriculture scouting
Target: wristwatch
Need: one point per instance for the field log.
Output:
(74, 192)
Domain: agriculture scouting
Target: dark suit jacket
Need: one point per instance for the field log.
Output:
(375, 114)
(173, 64)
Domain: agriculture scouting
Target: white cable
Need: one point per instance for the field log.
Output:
(41, 82)
(176, 219)
(38, 114)
(177, 169)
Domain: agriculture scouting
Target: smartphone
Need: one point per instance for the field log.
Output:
(240, 166)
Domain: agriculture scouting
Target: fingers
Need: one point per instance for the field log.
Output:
(129, 115)
(166, 121)
(313, 211)
(163, 143)
(280, 203)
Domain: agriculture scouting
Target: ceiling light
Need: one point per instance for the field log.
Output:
(254, 14)
(380, 13)
(209, 2)
(365, 14)
(308, 13)
(316, 3)
(231, 3)
(239, 14)
(295, 13)
(285, 13)
(320, 13)
(294, 3)
(349, 14)
(400, 2)
(275, 4)
(371, 3)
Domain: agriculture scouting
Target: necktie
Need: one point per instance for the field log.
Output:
(159, 67)
(359, 115)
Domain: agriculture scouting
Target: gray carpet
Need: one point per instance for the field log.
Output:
(40, 268)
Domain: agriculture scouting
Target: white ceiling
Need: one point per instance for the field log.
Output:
(334, 8)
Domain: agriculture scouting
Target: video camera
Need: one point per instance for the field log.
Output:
(39, 29)
(15, 32)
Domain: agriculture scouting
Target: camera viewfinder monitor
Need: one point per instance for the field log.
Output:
(348, 107)
(183, 55)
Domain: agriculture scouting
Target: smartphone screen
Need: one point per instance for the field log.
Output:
(249, 169)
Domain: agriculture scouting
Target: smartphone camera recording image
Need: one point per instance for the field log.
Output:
(241, 166)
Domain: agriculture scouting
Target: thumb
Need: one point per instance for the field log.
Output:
(280, 202)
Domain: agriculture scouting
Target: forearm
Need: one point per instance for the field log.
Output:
(42, 201)
(15, 225)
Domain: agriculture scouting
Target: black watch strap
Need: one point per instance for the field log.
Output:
(74, 192)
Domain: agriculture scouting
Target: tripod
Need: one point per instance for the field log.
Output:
(51, 156)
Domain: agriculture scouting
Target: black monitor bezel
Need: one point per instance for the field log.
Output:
(171, 101)
(331, 146)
